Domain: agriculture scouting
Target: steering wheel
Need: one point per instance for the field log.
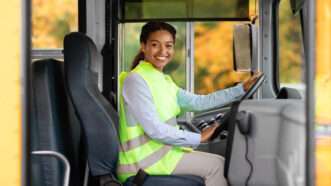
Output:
(251, 91)
(226, 117)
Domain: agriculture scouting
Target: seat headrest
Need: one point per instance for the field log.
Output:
(82, 54)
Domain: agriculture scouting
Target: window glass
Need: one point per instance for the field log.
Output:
(290, 48)
(296, 5)
(213, 57)
(184, 9)
(51, 21)
(176, 68)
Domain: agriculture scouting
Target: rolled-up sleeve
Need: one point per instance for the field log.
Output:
(139, 102)
(193, 102)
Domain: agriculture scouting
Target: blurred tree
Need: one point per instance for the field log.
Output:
(290, 45)
(214, 57)
(51, 21)
(187, 9)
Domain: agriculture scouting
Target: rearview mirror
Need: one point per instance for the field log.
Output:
(242, 48)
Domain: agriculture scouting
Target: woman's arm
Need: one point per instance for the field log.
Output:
(139, 103)
(193, 102)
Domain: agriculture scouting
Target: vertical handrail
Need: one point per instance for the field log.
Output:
(309, 48)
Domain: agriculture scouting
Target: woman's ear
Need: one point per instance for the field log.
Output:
(142, 47)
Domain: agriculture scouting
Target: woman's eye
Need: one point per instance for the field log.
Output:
(169, 46)
(154, 44)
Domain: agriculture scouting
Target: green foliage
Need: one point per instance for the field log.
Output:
(290, 45)
(51, 21)
(187, 9)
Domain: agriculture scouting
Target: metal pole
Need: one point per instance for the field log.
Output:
(309, 43)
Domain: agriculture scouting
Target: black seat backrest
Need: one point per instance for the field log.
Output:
(53, 128)
(97, 116)
(288, 93)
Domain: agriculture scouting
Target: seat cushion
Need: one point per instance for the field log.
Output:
(182, 180)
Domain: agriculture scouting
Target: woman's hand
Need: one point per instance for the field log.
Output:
(208, 132)
(250, 81)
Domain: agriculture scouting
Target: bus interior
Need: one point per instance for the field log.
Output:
(80, 47)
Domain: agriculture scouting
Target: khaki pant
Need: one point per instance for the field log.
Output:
(206, 165)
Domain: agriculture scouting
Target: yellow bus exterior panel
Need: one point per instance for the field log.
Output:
(323, 91)
(10, 98)
(323, 62)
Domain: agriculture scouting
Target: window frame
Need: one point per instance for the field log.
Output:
(275, 54)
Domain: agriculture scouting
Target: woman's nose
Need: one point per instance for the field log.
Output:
(163, 50)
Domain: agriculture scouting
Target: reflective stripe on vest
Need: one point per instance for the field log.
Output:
(138, 151)
(142, 139)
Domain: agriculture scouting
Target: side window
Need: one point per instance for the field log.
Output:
(214, 57)
(51, 21)
(291, 66)
(177, 67)
(213, 54)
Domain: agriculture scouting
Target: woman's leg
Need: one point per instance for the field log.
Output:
(206, 165)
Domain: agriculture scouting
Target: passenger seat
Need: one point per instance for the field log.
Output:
(54, 128)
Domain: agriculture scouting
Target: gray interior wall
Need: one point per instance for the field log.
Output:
(95, 29)
(95, 21)
(275, 145)
(290, 153)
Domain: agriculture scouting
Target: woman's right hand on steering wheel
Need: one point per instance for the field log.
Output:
(250, 81)
(208, 132)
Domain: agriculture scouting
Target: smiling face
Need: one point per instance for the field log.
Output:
(159, 49)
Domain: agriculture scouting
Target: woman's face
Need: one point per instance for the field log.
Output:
(159, 49)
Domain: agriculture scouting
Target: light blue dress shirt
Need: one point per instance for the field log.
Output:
(139, 108)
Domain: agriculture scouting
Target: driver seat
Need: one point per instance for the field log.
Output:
(97, 116)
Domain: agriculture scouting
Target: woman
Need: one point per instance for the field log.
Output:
(150, 101)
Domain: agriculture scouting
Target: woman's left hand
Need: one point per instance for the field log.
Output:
(207, 133)
(250, 81)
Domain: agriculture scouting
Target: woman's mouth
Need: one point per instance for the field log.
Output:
(161, 58)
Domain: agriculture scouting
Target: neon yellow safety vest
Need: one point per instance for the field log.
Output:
(137, 150)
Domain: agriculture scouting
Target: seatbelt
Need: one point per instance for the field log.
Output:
(231, 127)
(140, 178)
(108, 180)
